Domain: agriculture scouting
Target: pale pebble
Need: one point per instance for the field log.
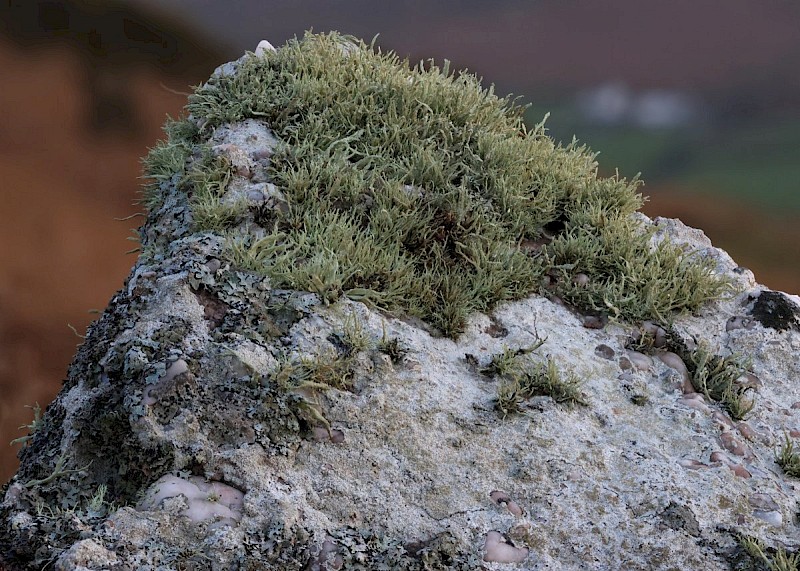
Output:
(498, 550)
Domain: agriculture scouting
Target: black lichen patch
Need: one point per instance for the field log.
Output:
(419, 192)
(680, 517)
(116, 457)
(774, 310)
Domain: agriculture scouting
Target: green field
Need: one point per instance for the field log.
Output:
(757, 162)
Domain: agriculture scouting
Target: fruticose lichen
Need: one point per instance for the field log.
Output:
(418, 191)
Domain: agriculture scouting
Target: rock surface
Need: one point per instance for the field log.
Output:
(195, 429)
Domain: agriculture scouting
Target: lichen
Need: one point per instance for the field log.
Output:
(418, 191)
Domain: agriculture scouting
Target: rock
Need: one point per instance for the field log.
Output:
(217, 418)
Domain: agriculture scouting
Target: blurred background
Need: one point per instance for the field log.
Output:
(700, 96)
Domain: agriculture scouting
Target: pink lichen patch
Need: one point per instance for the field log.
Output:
(205, 501)
(499, 549)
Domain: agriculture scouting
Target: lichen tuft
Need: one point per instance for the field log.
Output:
(416, 190)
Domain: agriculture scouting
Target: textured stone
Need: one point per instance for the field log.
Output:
(411, 465)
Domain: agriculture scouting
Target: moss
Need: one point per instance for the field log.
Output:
(416, 190)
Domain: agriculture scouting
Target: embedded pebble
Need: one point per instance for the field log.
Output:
(746, 430)
(675, 362)
(640, 361)
(604, 351)
(723, 420)
(177, 368)
(499, 497)
(739, 322)
(690, 464)
(719, 457)
(796, 405)
(748, 380)
(771, 517)
(695, 403)
(255, 195)
(500, 550)
(594, 322)
(658, 333)
(321, 434)
(514, 508)
(238, 158)
(213, 265)
(731, 444)
(503, 499)
(262, 154)
(739, 470)
(763, 502)
(323, 562)
(204, 500)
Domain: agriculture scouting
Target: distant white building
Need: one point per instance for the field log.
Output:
(614, 103)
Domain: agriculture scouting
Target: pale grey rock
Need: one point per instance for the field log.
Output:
(175, 386)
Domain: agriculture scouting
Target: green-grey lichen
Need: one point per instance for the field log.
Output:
(788, 459)
(716, 377)
(521, 378)
(418, 191)
(775, 559)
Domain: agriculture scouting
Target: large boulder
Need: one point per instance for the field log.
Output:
(377, 323)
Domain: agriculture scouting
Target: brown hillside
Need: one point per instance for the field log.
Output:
(78, 117)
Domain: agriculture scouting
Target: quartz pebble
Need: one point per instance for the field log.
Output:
(263, 48)
(771, 517)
